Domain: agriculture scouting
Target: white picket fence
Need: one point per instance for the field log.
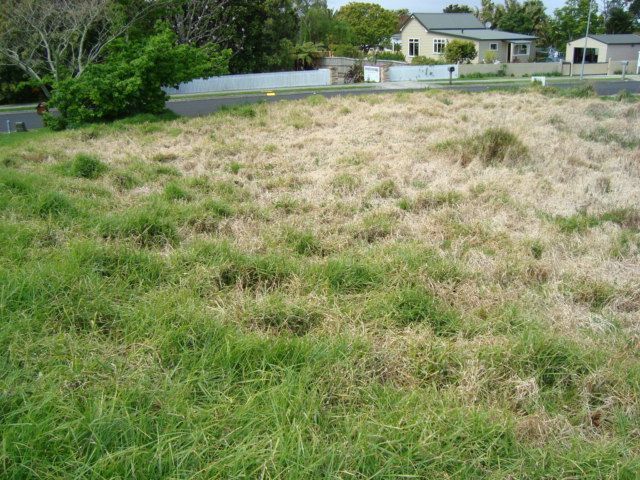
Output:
(412, 73)
(257, 81)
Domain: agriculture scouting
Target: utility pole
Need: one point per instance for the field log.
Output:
(586, 39)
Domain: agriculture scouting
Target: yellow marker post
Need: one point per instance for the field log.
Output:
(271, 94)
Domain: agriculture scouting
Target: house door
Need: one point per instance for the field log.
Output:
(508, 52)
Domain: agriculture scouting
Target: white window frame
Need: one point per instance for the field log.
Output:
(414, 42)
(491, 45)
(517, 47)
(440, 42)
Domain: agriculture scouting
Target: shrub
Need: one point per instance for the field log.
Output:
(490, 57)
(131, 77)
(346, 50)
(87, 166)
(460, 51)
(55, 123)
(422, 60)
(398, 56)
(355, 74)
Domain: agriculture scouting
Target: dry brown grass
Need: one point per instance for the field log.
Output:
(326, 162)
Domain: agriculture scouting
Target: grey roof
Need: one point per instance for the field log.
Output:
(617, 39)
(484, 34)
(440, 21)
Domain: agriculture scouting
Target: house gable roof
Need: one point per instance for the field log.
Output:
(484, 34)
(617, 39)
(444, 21)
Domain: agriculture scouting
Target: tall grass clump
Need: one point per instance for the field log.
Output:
(493, 147)
(87, 166)
(53, 204)
(278, 313)
(148, 227)
(416, 305)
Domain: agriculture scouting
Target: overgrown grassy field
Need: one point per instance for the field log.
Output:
(415, 285)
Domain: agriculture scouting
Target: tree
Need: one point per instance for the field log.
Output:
(529, 18)
(51, 40)
(371, 24)
(570, 22)
(619, 17)
(130, 79)
(457, 8)
(487, 12)
(306, 54)
(199, 22)
(460, 51)
(320, 25)
(261, 34)
(619, 20)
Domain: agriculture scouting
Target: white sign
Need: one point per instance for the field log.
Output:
(541, 80)
(372, 74)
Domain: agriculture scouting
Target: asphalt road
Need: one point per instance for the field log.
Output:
(194, 108)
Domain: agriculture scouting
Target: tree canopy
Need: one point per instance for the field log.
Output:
(457, 8)
(370, 24)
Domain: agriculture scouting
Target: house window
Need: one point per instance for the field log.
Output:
(521, 49)
(414, 47)
(438, 45)
(493, 47)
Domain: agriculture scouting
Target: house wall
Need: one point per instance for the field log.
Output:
(413, 29)
(529, 57)
(623, 52)
(485, 46)
(591, 43)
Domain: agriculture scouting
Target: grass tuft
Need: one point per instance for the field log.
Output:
(87, 166)
(148, 227)
(493, 147)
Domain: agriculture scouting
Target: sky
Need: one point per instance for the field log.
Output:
(431, 5)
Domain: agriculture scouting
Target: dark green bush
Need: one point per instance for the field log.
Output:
(131, 78)
(56, 123)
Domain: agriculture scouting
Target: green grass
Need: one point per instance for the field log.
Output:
(144, 334)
